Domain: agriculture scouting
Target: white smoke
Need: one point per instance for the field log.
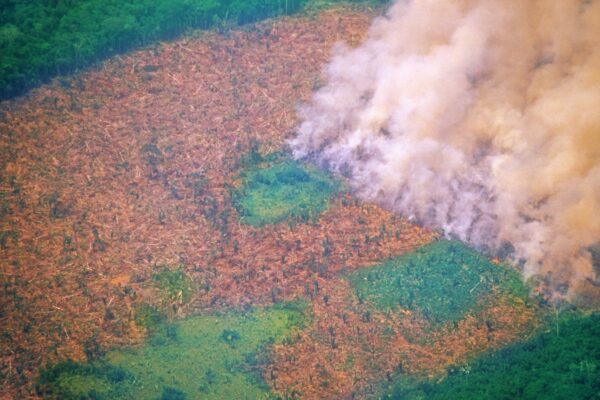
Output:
(480, 117)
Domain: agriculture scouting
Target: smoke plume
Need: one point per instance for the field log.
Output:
(477, 117)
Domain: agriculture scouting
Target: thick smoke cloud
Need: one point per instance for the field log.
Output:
(481, 118)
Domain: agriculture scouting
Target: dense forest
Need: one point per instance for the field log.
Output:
(559, 363)
(40, 39)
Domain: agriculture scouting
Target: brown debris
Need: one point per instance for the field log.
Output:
(129, 170)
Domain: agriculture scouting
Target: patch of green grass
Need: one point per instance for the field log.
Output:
(283, 190)
(71, 380)
(174, 283)
(443, 281)
(170, 393)
(561, 363)
(217, 356)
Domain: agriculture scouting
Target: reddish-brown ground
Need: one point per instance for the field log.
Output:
(98, 188)
(350, 348)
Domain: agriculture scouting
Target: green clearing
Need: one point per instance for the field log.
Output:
(560, 363)
(282, 190)
(219, 356)
(443, 281)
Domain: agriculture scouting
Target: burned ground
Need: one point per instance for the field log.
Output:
(117, 213)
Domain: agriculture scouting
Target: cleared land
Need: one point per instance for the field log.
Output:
(148, 208)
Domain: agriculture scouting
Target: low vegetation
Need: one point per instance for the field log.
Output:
(218, 356)
(283, 189)
(174, 283)
(442, 281)
(148, 316)
(562, 362)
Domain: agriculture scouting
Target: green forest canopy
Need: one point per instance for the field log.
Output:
(562, 362)
(40, 39)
